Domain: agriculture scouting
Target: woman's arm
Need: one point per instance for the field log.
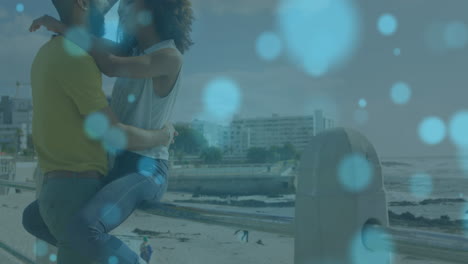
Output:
(57, 26)
(160, 63)
(109, 59)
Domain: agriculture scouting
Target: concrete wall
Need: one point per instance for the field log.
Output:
(239, 185)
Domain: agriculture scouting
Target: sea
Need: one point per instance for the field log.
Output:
(419, 179)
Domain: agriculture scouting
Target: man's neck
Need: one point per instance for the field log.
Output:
(76, 21)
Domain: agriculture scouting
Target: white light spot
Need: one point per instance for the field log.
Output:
(400, 93)
(459, 129)
(319, 35)
(432, 130)
(268, 46)
(355, 172)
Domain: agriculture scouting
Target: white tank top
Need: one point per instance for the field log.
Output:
(135, 103)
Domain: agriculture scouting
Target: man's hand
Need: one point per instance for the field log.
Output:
(48, 22)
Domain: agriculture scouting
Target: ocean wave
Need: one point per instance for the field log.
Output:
(395, 163)
(428, 202)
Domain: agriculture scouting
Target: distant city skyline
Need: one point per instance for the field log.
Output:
(225, 36)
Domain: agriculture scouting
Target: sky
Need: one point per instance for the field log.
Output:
(340, 58)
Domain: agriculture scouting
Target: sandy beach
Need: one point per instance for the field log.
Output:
(178, 241)
(173, 240)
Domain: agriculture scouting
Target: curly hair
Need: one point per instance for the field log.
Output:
(173, 20)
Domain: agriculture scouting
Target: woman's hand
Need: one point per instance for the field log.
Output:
(48, 22)
(169, 134)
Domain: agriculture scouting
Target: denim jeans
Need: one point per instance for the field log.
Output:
(134, 181)
(59, 199)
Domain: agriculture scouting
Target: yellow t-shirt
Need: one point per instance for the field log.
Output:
(66, 88)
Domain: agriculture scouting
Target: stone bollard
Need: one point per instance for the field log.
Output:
(329, 218)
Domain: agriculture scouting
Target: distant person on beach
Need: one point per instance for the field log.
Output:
(77, 208)
(146, 250)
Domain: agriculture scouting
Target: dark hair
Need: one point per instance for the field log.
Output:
(173, 20)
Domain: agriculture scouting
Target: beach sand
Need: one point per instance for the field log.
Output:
(174, 241)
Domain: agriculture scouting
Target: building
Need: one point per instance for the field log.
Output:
(6, 108)
(9, 138)
(23, 119)
(15, 122)
(266, 132)
(321, 123)
(215, 134)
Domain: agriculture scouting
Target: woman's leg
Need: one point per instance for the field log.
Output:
(35, 225)
(112, 205)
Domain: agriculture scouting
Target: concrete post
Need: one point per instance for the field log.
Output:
(329, 217)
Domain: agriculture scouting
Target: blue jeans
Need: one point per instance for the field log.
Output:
(133, 182)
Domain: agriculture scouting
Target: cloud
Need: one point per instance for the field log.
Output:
(239, 7)
(282, 90)
(19, 47)
(3, 13)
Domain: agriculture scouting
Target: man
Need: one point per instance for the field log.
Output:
(146, 250)
(66, 89)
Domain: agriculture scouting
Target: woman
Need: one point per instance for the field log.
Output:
(148, 62)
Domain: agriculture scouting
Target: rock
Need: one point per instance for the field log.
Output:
(403, 203)
(442, 200)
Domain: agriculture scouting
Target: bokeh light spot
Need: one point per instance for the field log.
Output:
(113, 260)
(360, 254)
(397, 52)
(53, 257)
(40, 248)
(400, 93)
(131, 98)
(459, 129)
(147, 166)
(355, 172)
(362, 103)
(387, 24)
(421, 185)
(77, 42)
(96, 125)
(221, 98)
(319, 35)
(20, 8)
(111, 214)
(115, 140)
(456, 35)
(432, 130)
(268, 46)
(361, 116)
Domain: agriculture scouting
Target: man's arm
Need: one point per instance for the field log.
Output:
(99, 44)
(163, 62)
(140, 139)
(109, 56)
(82, 83)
